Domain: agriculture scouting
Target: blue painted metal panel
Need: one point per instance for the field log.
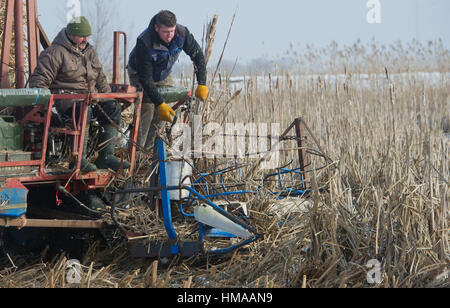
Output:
(16, 213)
(13, 202)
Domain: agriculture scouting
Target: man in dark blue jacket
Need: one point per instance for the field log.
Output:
(150, 65)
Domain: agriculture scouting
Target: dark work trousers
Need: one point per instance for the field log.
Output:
(150, 120)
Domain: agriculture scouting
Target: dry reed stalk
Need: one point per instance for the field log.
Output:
(205, 112)
(188, 283)
(154, 273)
(210, 38)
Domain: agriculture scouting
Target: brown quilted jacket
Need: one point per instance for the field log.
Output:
(64, 68)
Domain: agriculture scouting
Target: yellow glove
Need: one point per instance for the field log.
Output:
(165, 112)
(202, 92)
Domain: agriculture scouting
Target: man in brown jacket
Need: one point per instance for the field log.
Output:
(71, 65)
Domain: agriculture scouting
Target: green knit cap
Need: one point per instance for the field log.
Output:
(79, 26)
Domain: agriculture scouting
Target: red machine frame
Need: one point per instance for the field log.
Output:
(124, 93)
(94, 180)
(36, 38)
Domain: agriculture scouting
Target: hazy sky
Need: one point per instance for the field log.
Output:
(267, 28)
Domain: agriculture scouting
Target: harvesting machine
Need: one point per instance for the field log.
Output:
(44, 197)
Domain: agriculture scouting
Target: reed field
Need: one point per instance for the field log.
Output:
(382, 116)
